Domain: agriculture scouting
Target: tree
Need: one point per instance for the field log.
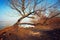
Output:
(22, 5)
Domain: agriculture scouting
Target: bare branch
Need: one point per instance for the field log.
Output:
(30, 17)
(23, 6)
(27, 23)
(29, 1)
(39, 1)
(50, 6)
(17, 3)
(35, 4)
(13, 6)
(38, 13)
(50, 18)
(51, 12)
(31, 24)
(54, 15)
(30, 8)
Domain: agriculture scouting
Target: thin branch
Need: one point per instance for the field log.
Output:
(23, 6)
(35, 4)
(39, 1)
(50, 18)
(18, 11)
(29, 1)
(30, 8)
(46, 20)
(17, 3)
(38, 12)
(27, 24)
(31, 24)
(30, 17)
(50, 6)
(54, 15)
(13, 5)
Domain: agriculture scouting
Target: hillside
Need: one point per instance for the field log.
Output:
(40, 32)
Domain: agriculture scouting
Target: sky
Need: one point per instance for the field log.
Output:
(10, 15)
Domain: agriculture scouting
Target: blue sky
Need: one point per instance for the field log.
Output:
(5, 9)
(8, 14)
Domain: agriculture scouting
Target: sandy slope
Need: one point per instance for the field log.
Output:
(37, 33)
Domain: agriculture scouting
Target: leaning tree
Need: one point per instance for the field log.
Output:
(30, 7)
(22, 6)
